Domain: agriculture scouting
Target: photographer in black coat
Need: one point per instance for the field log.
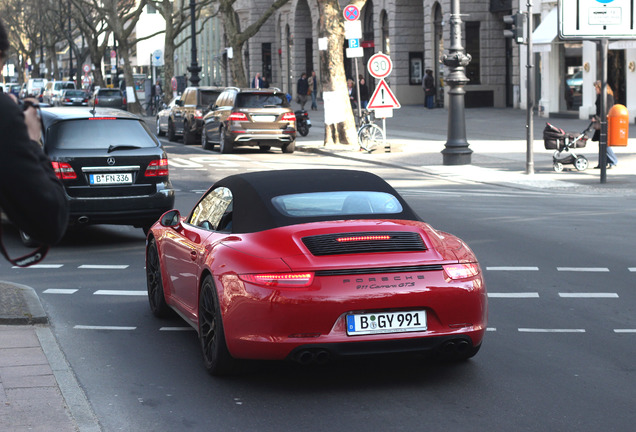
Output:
(31, 195)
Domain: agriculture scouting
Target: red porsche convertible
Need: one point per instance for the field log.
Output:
(311, 265)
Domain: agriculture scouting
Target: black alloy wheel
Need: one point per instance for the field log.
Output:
(205, 144)
(216, 357)
(156, 296)
(224, 146)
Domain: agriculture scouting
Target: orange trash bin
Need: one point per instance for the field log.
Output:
(617, 126)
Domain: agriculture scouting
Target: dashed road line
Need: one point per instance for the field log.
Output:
(177, 329)
(547, 330)
(588, 295)
(121, 293)
(514, 295)
(583, 269)
(41, 266)
(104, 266)
(59, 291)
(113, 328)
(624, 330)
(512, 268)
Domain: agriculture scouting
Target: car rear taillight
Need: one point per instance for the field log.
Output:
(461, 271)
(238, 116)
(280, 280)
(157, 168)
(290, 117)
(64, 171)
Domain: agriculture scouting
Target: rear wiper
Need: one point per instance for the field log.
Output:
(112, 148)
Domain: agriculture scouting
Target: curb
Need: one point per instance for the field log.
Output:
(20, 305)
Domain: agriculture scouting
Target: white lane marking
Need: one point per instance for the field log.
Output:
(88, 327)
(583, 269)
(632, 269)
(183, 163)
(176, 329)
(121, 293)
(104, 266)
(624, 330)
(491, 329)
(42, 266)
(514, 295)
(588, 295)
(59, 291)
(544, 330)
(512, 268)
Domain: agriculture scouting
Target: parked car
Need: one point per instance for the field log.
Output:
(163, 117)
(114, 169)
(13, 88)
(109, 97)
(73, 98)
(53, 91)
(250, 117)
(314, 265)
(186, 117)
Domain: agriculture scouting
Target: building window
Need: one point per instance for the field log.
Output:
(473, 48)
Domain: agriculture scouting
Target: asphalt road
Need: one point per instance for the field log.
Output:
(559, 353)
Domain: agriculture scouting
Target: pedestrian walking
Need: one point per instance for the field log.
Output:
(352, 94)
(257, 82)
(302, 90)
(364, 92)
(38, 206)
(312, 81)
(612, 160)
(429, 89)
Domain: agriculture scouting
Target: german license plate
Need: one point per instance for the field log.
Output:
(264, 118)
(110, 179)
(386, 322)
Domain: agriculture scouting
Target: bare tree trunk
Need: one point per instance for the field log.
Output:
(333, 77)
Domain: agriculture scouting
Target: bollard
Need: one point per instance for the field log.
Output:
(617, 126)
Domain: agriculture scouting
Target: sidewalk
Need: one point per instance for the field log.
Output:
(38, 390)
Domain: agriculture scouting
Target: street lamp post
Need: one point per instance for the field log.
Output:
(194, 68)
(456, 151)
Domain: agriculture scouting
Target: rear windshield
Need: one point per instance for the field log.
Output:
(340, 203)
(75, 93)
(109, 92)
(261, 100)
(98, 134)
(209, 98)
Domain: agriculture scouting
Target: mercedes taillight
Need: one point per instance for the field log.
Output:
(64, 171)
(157, 168)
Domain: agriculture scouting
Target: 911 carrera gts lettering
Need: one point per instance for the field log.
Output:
(374, 286)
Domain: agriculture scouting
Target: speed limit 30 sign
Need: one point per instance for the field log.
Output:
(379, 65)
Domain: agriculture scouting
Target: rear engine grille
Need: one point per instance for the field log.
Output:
(364, 242)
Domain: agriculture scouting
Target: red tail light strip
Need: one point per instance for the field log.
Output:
(363, 238)
(280, 280)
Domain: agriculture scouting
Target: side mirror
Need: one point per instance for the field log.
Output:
(171, 219)
(179, 102)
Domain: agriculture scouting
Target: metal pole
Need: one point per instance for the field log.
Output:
(530, 97)
(602, 143)
(456, 151)
(358, 89)
(194, 68)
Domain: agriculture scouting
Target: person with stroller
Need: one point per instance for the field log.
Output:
(612, 161)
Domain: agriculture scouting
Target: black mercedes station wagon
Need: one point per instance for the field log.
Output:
(114, 169)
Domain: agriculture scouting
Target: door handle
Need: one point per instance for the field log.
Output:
(193, 255)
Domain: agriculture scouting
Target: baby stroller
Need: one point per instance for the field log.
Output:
(563, 144)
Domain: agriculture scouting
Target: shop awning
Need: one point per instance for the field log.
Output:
(544, 35)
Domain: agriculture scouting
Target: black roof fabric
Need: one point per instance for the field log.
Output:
(252, 193)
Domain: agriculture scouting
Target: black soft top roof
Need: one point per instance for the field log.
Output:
(252, 194)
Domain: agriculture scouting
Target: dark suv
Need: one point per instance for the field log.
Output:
(187, 114)
(250, 117)
(113, 168)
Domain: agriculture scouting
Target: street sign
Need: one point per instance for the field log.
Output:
(354, 43)
(383, 97)
(86, 68)
(597, 19)
(157, 58)
(351, 12)
(379, 65)
(353, 29)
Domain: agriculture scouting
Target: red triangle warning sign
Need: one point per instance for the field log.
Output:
(383, 97)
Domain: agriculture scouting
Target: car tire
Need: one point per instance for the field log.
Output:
(188, 136)
(156, 296)
(172, 136)
(224, 146)
(216, 357)
(158, 129)
(205, 144)
(289, 148)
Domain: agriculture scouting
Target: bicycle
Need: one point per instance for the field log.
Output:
(370, 135)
